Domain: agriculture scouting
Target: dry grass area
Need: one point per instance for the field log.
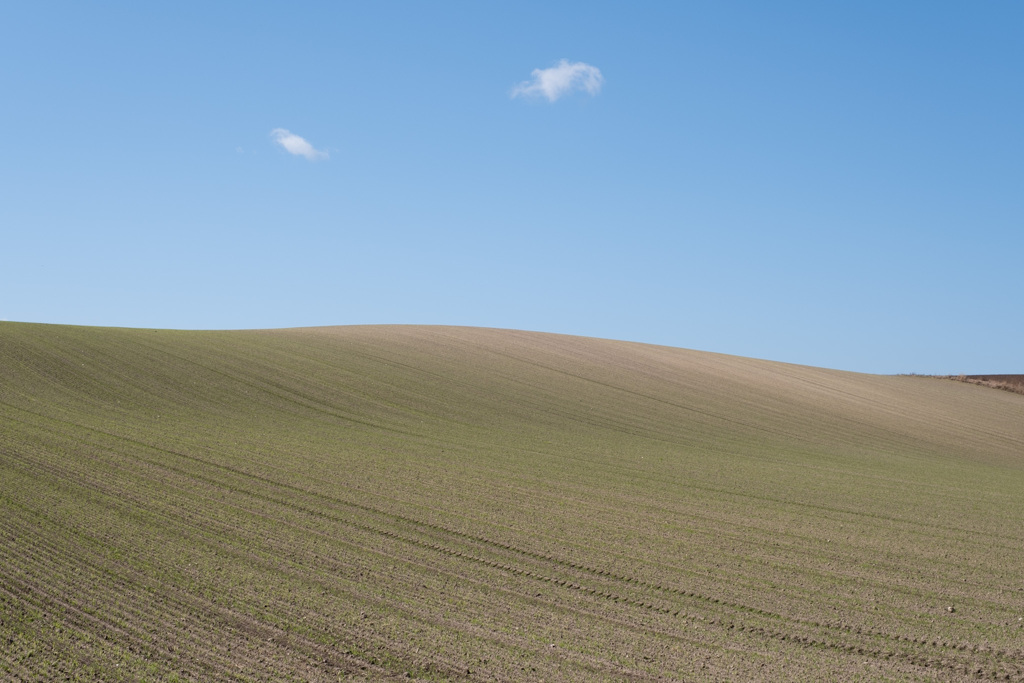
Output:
(375, 503)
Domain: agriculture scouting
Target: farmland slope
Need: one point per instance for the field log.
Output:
(450, 503)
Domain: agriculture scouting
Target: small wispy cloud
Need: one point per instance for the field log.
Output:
(297, 145)
(560, 79)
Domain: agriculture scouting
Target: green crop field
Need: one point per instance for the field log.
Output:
(451, 503)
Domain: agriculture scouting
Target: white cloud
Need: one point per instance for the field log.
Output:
(293, 144)
(558, 80)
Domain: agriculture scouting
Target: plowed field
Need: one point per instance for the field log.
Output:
(455, 503)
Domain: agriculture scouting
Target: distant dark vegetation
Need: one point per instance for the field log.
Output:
(1014, 383)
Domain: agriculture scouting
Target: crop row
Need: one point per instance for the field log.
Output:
(358, 533)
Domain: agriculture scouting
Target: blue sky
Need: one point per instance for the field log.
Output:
(830, 184)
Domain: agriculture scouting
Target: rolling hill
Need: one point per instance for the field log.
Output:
(457, 503)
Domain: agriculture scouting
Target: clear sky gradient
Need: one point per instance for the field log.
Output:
(832, 184)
